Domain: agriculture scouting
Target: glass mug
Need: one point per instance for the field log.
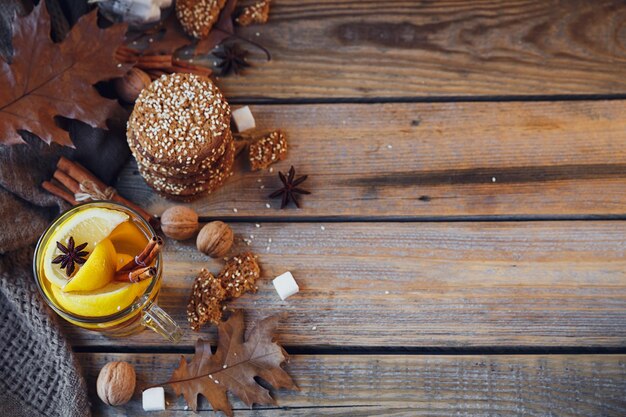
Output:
(141, 313)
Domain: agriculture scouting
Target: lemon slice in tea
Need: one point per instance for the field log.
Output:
(97, 272)
(91, 225)
(105, 301)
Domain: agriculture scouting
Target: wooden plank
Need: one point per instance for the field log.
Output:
(403, 48)
(422, 285)
(433, 159)
(333, 385)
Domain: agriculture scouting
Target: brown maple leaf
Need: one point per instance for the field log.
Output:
(234, 366)
(44, 79)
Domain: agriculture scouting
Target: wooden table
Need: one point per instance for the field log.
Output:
(463, 251)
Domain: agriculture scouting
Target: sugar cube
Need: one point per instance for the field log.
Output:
(153, 399)
(285, 285)
(243, 118)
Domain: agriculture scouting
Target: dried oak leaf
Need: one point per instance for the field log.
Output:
(45, 79)
(234, 366)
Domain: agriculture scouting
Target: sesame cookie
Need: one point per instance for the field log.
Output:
(205, 301)
(179, 121)
(197, 17)
(267, 150)
(239, 275)
(193, 186)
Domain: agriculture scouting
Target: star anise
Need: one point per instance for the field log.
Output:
(71, 256)
(290, 188)
(232, 59)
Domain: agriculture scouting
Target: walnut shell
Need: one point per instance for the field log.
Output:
(116, 383)
(130, 85)
(179, 222)
(215, 239)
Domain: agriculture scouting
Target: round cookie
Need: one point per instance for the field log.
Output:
(205, 184)
(179, 122)
(176, 173)
(197, 17)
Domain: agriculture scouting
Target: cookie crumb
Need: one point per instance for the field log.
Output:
(268, 150)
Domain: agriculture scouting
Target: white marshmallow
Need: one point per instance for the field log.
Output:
(244, 120)
(153, 399)
(285, 285)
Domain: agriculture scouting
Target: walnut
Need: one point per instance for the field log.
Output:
(179, 222)
(130, 85)
(215, 239)
(116, 383)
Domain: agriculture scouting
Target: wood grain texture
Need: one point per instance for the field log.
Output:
(582, 385)
(421, 285)
(428, 160)
(405, 48)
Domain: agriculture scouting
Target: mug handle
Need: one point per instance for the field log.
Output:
(155, 318)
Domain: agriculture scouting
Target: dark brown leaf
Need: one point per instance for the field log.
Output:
(234, 366)
(46, 79)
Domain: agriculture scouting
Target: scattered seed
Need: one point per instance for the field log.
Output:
(257, 225)
(322, 227)
(235, 210)
(314, 328)
(269, 240)
(267, 205)
(493, 179)
(389, 146)
(387, 292)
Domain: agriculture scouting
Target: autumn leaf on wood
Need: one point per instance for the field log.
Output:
(234, 366)
(169, 37)
(44, 79)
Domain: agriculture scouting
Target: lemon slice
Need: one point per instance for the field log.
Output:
(90, 225)
(97, 272)
(122, 259)
(128, 238)
(105, 301)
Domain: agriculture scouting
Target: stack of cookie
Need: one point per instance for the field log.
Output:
(179, 132)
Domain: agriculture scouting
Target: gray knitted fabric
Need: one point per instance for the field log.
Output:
(39, 375)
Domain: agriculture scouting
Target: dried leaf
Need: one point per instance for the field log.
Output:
(46, 79)
(234, 366)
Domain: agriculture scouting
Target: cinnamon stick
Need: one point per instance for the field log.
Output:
(59, 192)
(153, 253)
(195, 70)
(69, 182)
(137, 275)
(139, 260)
(81, 174)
